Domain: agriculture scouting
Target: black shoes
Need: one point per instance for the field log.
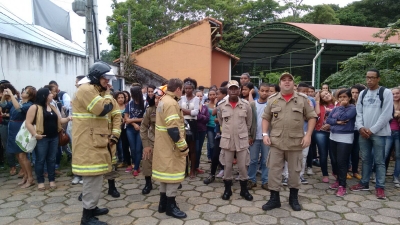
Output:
(244, 192)
(80, 197)
(228, 190)
(173, 210)
(294, 199)
(162, 206)
(98, 212)
(112, 190)
(209, 179)
(89, 219)
(148, 187)
(274, 201)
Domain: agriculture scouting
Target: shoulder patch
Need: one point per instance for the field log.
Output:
(244, 101)
(273, 95)
(303, 95)
(222, 101)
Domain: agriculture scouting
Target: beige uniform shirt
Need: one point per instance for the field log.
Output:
(235, 124)
(286, 120)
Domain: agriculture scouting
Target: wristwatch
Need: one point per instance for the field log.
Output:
(264, 134)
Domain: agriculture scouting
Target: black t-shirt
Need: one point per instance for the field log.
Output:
(50, 124)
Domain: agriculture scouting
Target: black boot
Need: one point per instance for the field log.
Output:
(244, 192)
(89, 219)
(173, 210)
(294, 199)
(180, 186)
(274, 201)
(112, 190)
(162, 206)
(98, 212)
(209, 179)
(148, 187)
(80, 197)
(228, 190)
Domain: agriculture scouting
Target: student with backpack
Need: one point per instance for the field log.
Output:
(374, 111)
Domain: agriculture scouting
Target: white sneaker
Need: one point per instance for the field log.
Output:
(373, 178)
(76, 180)
(396, 180)
(81, 181)
(237, 178)
(309, 171)
(220, 174)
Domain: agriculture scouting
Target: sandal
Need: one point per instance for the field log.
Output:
(53, 186)
(22, 182)
(21, 174)
(41, 188)
(28, 184)
(192, 175)
(13, 171)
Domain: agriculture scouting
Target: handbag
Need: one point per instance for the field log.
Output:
(63, 138)
(24, 139)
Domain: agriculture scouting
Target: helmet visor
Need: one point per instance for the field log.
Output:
(108, 77)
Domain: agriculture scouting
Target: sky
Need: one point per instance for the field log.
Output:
(23, 9)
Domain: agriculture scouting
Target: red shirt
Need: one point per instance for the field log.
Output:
(287, 97)
(233, 104)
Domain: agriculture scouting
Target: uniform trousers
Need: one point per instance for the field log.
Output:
(147, 166)
(91, 191)
(276, 162)
(169, 189)
(303, 165)
(243, 160)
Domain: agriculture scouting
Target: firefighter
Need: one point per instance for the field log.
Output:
(170, 149)
(91, 155)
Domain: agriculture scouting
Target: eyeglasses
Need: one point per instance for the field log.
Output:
(158, 92)
(370, 78)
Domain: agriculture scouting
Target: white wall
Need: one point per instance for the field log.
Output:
(23, 64)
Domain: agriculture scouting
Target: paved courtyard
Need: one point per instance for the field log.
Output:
(202, 204)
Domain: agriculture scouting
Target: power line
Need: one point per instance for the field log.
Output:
(51, 39)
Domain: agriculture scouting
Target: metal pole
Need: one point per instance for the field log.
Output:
(129, 33)
(121, 56)
(313, 66)
(89, 33)
(96, 31)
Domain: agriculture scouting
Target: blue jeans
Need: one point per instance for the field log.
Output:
(322, 139)
(46, 151)
(120, 151)
(366, 145)
(135, 144)
(255, 150)
(210, 141)
(390, 140)
(199, 145)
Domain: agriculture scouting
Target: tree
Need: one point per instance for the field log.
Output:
(273, 78)
(107, 56)
(295, 8)
(393, 29)
(321, 14)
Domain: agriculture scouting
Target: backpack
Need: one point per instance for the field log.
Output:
(380, 93)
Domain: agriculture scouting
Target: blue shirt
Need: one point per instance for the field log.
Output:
(17, 115)
(312, 104)
(134, 111)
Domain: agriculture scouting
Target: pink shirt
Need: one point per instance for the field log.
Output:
(394, 125)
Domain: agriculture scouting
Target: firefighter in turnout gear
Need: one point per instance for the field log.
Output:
(170, 149)
(147, 134)
(91, 155)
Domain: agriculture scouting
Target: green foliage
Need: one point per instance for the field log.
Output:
(108, 56)
(381, 57)
(295, 8)
(392, 30)
(321, 14)
(273, 78)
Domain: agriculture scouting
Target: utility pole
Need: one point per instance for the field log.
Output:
(122, 55)
(96, 32)
(129, 33)
(89, 33)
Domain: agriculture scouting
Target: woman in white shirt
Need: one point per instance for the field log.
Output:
(189, 104)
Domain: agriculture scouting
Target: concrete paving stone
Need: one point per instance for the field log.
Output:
(319, 222)
(117, 204)
(279, 212)
(171, 221)
(250, 210)
(72, 208)
(386, 219)
(52, 223)
(190, 193)
(133, 192)
(17, 198)
(345, 222)
(204, 188)
(341, 202)
(185, 206)
(11, 204)
(238, 218)
(227, 209)
(24, 222)
(53, 207)
(30, 213)
(338, 208)
(357, 217)
(152, 199)
(8, 211)
(56, 199)
(142, 213)
(139, 205)
(242, 203)
(6, 220)
(262, 192)
(318, 192)
(352, 205)
(353, 197)
(205, 208)
(265, 219)
(187, 187)
(137, 198)
(224, 223)
(395, 213)
(371, 204)
(211, 195)
(303, 214)
(373, 223)
(111, 198)
(217, 201)
(121, 220)
(130, 186)
(291, 221)
(197, 222)
(57, 193)
(391, 204)
(365, 211)
(35, 198)
(192, 214)
(213, 216)
(51, 216)
(197, 200)
(321, 186)
(329, 215)
(161, 216)
(32, 205)
(313, 207)
(74, 217)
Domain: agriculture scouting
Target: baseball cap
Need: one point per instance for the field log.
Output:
(233, 83)
(286, 75)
